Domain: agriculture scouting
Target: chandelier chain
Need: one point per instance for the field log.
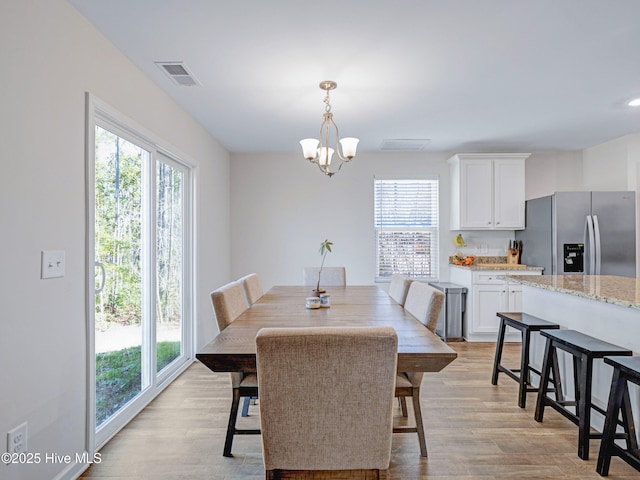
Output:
(327, 100)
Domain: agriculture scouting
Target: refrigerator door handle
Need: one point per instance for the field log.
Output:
(598, 254)
(590, 244)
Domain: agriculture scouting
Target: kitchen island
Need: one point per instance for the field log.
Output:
(622, 291)
(603, 306)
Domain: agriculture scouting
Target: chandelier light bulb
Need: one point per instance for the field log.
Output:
(349, 145)
(309, 148)
(324, 159)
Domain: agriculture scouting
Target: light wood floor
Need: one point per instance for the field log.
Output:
(474, 431)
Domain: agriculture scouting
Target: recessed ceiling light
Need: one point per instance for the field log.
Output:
(634, 103)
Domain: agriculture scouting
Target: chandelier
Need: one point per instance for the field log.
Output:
(319, 151)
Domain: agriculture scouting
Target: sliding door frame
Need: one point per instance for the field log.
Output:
(100, 114)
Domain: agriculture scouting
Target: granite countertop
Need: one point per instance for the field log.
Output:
(497, 266)
(621, 291)
(493, 263)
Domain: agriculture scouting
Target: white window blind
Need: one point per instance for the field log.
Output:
(406, 223)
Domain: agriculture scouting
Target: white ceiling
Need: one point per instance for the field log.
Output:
(471, 75)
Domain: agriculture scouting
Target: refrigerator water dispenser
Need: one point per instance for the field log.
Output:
(574, 257)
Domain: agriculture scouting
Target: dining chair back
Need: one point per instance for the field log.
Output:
(425, 303)
(312, 382)
(330, 276)
(399, 287)
(252, 287)
(229, 302)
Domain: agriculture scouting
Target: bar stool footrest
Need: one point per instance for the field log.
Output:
(632, 457)
(510, 373)
(247, 432)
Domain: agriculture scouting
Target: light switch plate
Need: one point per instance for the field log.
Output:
(52, 264)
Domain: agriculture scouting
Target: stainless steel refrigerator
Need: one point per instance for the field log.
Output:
(592, 233)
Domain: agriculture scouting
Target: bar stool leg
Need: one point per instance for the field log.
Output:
(618, 387)
(557, 380)
(549, 352)
(498, 357)
(627, 420)
(524, 370)
(584, 408)
(577, 366)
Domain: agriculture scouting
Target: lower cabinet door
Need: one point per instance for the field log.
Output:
(487, 300)
(515, 300)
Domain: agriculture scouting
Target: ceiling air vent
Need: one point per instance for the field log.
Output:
(178, 74)
(405, 144)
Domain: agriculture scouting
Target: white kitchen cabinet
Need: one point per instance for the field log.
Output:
(490, 299)
(486, 301)
(487, 191)
(509, 198)
(489, 293)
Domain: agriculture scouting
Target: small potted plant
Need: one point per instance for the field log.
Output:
(325, 247)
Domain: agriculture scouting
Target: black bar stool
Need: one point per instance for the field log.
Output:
(526, 324)
(584, 350)
(625, 369)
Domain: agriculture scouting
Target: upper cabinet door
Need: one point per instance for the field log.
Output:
(487, 191)
(476, 194)
(509, 193)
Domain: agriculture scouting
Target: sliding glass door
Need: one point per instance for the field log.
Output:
(141, 322)
(169, 261)
(120, 250)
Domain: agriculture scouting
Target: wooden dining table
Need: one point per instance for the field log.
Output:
(234, 349)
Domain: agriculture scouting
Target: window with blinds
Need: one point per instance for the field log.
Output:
(406, 223)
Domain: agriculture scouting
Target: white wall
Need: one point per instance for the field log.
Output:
(50, 56)
(282, 207)
(549, 172)
(612, 165)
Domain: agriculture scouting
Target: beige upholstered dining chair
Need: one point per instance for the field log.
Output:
(311, 413)
(229, 302)
(331, 276)
(399, 287)
(252, 287)
(425, 303)
(253, 291)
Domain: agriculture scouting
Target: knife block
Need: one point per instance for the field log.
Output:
(513, 256)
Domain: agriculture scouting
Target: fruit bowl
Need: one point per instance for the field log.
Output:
(460, 260)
